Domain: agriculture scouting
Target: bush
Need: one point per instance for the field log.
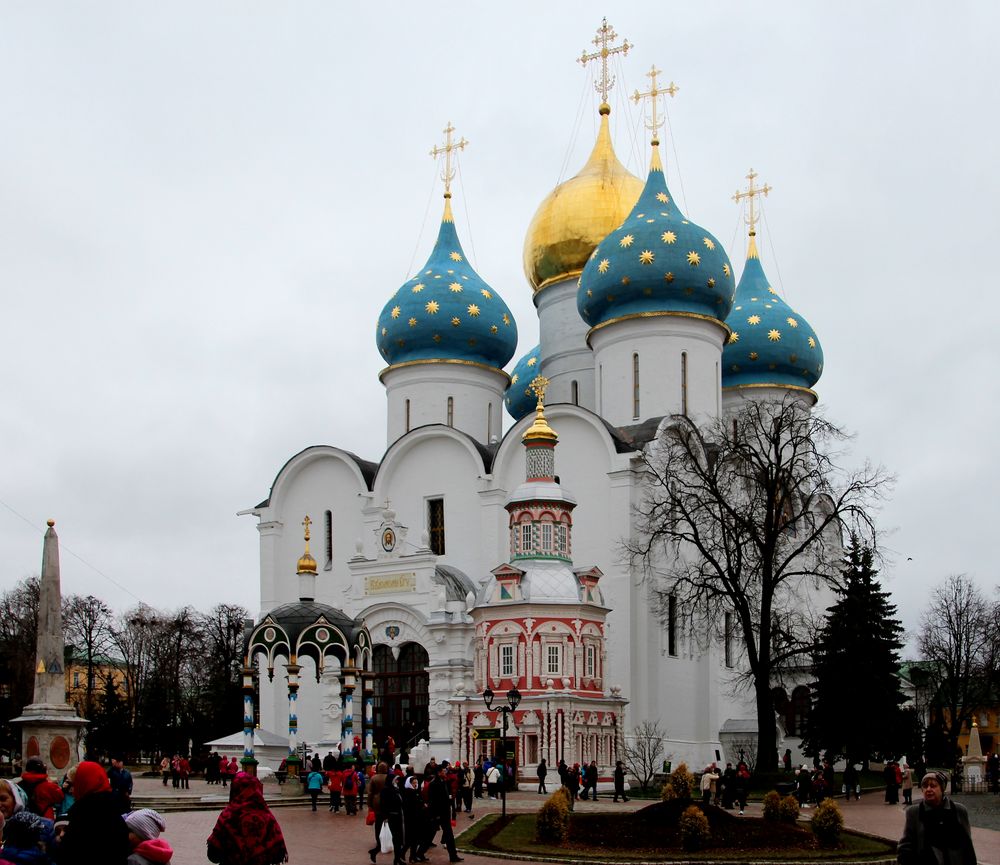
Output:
(680, 784)
(827, 823)
(772, 806)
(788, 809)
(694, 829)
(552, 823)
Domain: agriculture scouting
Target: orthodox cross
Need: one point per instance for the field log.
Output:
(605, 36)
(653, 95)
(751, 193)
(448, 172)
(307, 522)
(538, 385)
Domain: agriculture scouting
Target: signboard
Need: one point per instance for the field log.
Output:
(390, 584)
(481, 733)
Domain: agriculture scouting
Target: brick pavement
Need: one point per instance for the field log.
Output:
(329, 839)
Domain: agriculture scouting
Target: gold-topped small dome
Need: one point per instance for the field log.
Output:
(578, 214)
(540, 431)
(306, 563)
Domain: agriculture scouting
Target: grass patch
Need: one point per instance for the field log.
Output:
(654, 836)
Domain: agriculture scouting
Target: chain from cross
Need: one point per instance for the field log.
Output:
(605, 36)
(307, 522)
(449, 147)
(538, 385)
(653, 95)
(751, 193)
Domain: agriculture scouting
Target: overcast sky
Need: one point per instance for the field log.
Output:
(204, 206)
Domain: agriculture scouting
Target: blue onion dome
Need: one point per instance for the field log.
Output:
(446, 312)
(656, 263)
(518, 398)
(769, 343)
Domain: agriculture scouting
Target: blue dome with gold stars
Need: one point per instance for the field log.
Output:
(656, 263)
(769, 343)
(518, 399)
(446, 312)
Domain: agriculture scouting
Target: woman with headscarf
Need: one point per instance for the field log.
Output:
(96, 831)
(24, 840)
(148, 848)
(246, 832)
(12, 798)
(414, 820)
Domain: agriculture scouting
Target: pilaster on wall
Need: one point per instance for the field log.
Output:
(270, 533)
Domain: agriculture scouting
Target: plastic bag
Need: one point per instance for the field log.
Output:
(385, 837)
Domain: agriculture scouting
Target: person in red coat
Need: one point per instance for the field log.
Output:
(43, 794)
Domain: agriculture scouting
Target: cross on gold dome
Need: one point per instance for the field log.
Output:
(449, 147)
(538, 386)
(605, 36)
(653, 95)
(307, 522)
(751, 193)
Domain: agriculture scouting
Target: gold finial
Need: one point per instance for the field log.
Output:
(751, 218)
(306, 563)
(653, 95)
(540, 429)
(449, 147)
(50, 523)
(605, 36)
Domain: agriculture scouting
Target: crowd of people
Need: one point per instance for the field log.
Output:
(727, 788)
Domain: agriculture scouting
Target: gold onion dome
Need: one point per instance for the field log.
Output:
(306, 563)
(579, 213)
(540, 431)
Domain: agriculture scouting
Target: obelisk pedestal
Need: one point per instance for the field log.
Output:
(50, 727)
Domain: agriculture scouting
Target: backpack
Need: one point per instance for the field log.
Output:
(350, 784)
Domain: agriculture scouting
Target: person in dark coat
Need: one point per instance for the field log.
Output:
(620, 781)
(391, 809)
(439, 807)
(375, 787)
(851, 785)
(96, 831)
(542, 771)
(415, 830)
(937, 829)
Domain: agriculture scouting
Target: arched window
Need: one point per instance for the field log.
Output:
(799, 713)
(329, 540)
(407, 412)
(684, 383)
(574, 393)
(635, 386)
(451, 411)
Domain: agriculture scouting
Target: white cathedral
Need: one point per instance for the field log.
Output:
(481, 558)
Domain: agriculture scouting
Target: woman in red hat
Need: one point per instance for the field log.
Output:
(96, 831)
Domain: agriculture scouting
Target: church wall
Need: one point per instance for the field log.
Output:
(671, 350)
(566, 357)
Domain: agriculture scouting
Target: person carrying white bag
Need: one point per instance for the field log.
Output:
(390, 836)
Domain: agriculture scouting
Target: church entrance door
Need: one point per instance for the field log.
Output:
(401, 695)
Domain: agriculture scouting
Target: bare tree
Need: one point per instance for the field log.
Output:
(135, 634)
(643, 752)
(18, 637)
(747, 516)
(87, 625)
(959, 637)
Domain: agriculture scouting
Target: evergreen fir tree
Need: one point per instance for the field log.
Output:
(856, 696)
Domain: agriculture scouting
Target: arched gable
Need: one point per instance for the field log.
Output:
(399, 449)
(361, 471)
(413, 628)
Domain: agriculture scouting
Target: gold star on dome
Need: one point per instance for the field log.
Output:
(419, 287)
(531, 361)
(485, 293)
(626, 280)
(734, 337)
(669, 276)
(771, 290)
(754, 319)
(514, 378)
(726, 270)
(432, 306)
(662, 197)
(774, 335)
(456, 287)
(711, 282)
(395, 312)
(646, 256)
(384, 331)
(455, 321)
(493, 328)
(668, 237)
(455, 256)
(473, 310)
(792, 322)
(754, 355)
(437, 337)
(639, 215)
(708, 243)
(506, 319)
(626, 241)
(413, 322)
(812, 343)
(603, 266)
(593, 255)
(693, 258)
(590, 293)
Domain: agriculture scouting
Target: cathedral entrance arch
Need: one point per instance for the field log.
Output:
(401, 694)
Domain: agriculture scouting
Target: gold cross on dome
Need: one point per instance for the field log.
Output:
(653, 95)
(605, 36)
(751, 193)
(307, 522)
(538, 386)
(449, 147)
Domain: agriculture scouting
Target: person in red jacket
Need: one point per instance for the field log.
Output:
(335, 778)
(43, 794)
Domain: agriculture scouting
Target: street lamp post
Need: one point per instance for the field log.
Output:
(513, 699)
